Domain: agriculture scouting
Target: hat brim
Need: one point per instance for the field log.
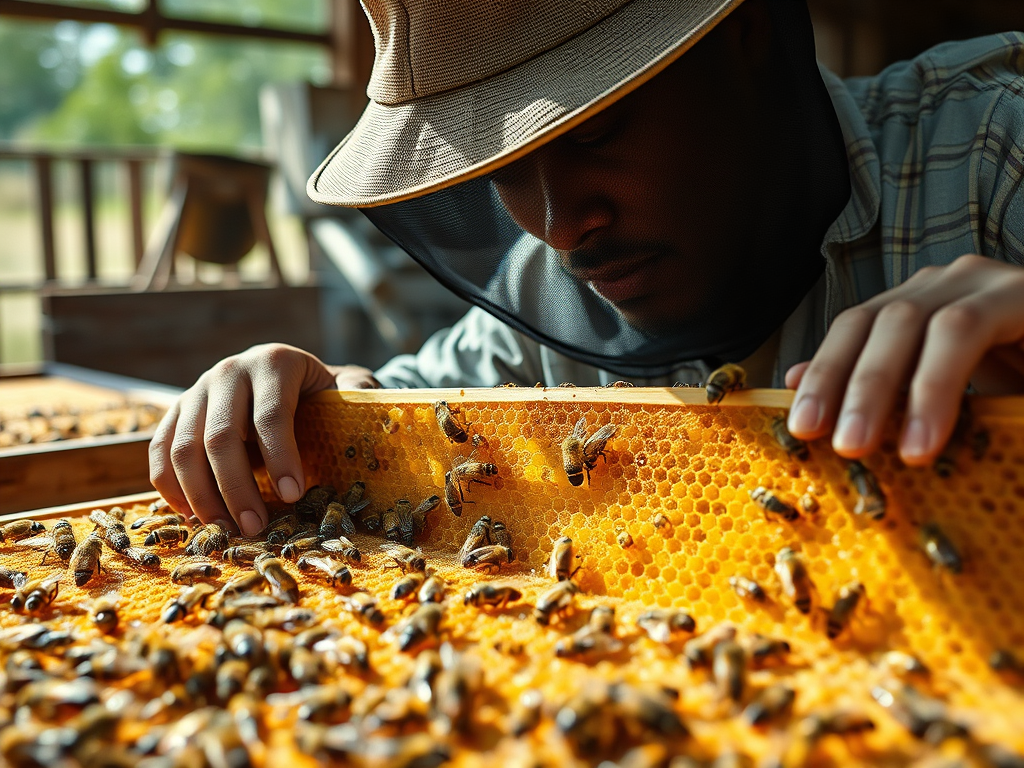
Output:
(407, 150)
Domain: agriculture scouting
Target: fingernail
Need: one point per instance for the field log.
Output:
(915, 439)
(851, 433)
(806, 415)
(288, 490)
(250, 523)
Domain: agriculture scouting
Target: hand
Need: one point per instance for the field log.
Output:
(943, 328)
(197, 458)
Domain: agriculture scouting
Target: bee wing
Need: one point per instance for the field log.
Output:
(43, 541)
(579, 431)
(601, 436)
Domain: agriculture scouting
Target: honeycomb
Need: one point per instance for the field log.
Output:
(676, 478)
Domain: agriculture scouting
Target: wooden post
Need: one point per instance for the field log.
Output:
(88, 217)
(135, 204)
(44, 193)
(352, 50)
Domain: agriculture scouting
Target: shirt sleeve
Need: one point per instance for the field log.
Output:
(1000, 173)
(478, 351)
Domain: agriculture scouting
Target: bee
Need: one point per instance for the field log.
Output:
(488, 558)
(746, 587)
(846, 603)
(282, 584)
(623, 539)
(580, 718)
(364, 605)
(660, 624)
(339, 519)
(790, 444)
(770, 704)
(336, 572)
(242, 583)
(1006, 663)
(836, 723)
(85, 560)
(243, 553)
(471, 471)
(772, 505)
(157, 521)
(557, 599)
(419, 515)
(872, 499)
(809, 504)
(281, 529)
(104, 613)
(588, 642)
(433, 589)
(190, 598)
(729, 378)
(904, 664)
(763, 649)
(490, 595)
(103, 518)
(348, 651)
(190, 572)
(698, 650)
(354, 494)
(453, 494)
(315, 500)
(452, 426)
(206, 540)
(940, 549)
(563, 558)
(796, 584)
(142, 558)
(12, 579)
(661, 523)
(167, 536)
(20, 529)
(729, 668)
(297, 546)
(649, 707)
(921, 715)
(343, 547)
(580, 453)
(525, 715)
(158, 506)
(501, 537)
(398, 523)
(369, 456)
(323, 703)
(34, 595)
(406, 587)
(405, 558)
(60, 541)
(479, 536)
(421, 627)
(244, 641)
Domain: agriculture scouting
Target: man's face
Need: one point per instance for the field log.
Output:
(647, 200)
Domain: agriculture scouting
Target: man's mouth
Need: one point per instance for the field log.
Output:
(622, 281)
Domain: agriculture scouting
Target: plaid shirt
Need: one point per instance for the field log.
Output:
(936, 154)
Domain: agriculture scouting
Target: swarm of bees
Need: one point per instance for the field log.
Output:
(66, 423)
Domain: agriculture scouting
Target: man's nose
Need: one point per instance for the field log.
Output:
(575, 207)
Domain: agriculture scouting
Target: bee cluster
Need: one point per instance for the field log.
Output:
(66, 423)
(358, 629)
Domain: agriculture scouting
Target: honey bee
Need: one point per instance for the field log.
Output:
(846, 603)
(729, 378)
(649, 707)
(104, 518)
(35, 595)
(661, 624)
(340, 519)
(343, 547)
(453, 494)
(230, 678)
(158, 506)
(315, 500)
(189, 572)
(20, 529)
(698, 650)
(922, 716)
(157, 521)
(369, 456)
(354, 494)
(580, 453)
(85, 560)
(364, 605)
(479, 536)
(167, 536)
(421, 627)
(836, 723)
(190, 598)
(525, 715)
(770, 704)
(729, 669)
(487, 594)
(501, 537)
(142, 557)
(241, 584)
(104, 613)
(398, 523)
(282, 584)
(763, 649)
(405, 558)
(281, 529)
(903, 664)
(661, 523)
(372, 520)
(406, 587)
(336, 572)
(206, 540)
(60, 541)
(791, 445)
(623, 539)
(243, 553)
(1006, 663)
(872, 499)
(12, 579)
(772, 505)
(746, 587)
(297, 546)
(940, 549)
(469, 471)
(809, 504)
(557, 599)
(796, 584)
(452, 427)
(563, 558)
(432, 590)
(488, 558)
(419, 515)
(588, 643)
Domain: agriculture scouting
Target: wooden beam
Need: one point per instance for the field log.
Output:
(88, 217)
(44, 197)
(135, 205)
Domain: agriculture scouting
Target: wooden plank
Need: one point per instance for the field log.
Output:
(44, 197)
(61, 473)
(80, 508)
(173, 336)
(88, 216)
(135, 204)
